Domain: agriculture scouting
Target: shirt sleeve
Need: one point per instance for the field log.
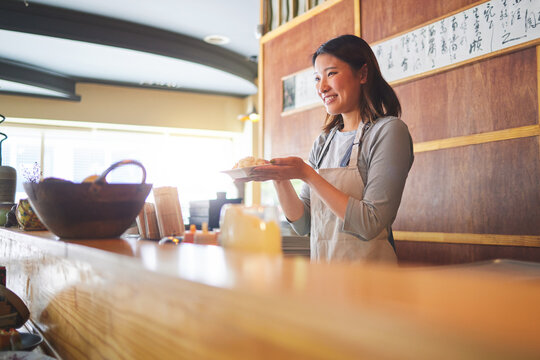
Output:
(389, 158)
(302, 226)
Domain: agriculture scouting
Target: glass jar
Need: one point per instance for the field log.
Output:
(250, 228)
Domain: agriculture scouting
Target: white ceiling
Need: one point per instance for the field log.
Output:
(101, 62)
(236, 19)
(84, 61)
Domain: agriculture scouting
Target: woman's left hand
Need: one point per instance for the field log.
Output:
(282, 169)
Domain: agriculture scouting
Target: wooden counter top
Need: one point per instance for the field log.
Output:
(128, 299)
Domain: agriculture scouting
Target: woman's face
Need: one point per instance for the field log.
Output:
(338, 85)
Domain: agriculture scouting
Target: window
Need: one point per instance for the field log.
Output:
(191, 160)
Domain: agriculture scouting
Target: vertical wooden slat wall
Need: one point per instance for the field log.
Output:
(477, 193)
(289, 52)
(472, 201)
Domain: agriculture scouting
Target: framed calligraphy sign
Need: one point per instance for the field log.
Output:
(486, 28)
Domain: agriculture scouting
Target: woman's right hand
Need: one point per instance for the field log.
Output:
(282, 169)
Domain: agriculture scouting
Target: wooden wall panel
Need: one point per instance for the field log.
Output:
(289, 53)
(490, 188)
(305, 127)
(381, 19)
(459, 102)
(446, 254)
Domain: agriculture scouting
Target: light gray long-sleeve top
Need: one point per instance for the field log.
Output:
(385, 159)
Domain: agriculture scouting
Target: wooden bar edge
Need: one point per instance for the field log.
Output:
(474, 139)
(465, 238)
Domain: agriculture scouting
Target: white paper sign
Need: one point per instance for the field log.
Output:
(485, 28)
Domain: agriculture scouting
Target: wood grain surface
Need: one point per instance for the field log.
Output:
(494, 94)
(382, 19)
(499, 135)
(139, 300)
(489, 188)
(468, 238)
(435, 253)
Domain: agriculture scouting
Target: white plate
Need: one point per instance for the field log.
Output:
(241, 173)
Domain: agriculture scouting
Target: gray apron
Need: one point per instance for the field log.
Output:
(328, 241)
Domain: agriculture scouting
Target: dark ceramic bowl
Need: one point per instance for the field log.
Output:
(88, 210)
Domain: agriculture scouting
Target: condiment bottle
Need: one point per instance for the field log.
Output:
(205, 237)
(190, 236)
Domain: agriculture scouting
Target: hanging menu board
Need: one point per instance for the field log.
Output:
(489, 27)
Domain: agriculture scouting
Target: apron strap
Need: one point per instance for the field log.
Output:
(355, 151)
(325, 147)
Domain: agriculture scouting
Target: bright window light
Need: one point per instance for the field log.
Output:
(190, 160)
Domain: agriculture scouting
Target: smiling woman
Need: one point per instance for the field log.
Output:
(357, 166)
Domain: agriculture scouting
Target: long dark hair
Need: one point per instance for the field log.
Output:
(377, 98)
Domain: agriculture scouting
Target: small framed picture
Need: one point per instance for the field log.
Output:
(289, 89)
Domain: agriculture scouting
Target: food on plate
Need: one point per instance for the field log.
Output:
(249, 161)
(10, 340)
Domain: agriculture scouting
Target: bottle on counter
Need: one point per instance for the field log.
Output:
(189, 237)
(250, 228)
(205, 237)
